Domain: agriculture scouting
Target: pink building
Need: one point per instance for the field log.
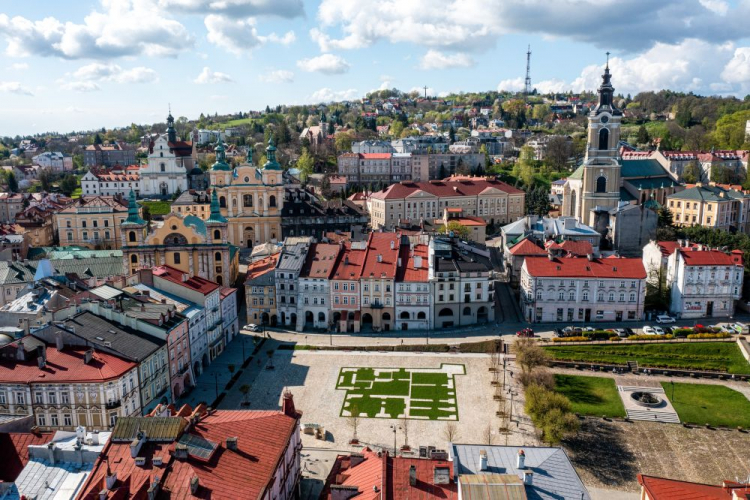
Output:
(345, 306)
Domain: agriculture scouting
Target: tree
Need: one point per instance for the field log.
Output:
(540, 112)
(450, 432)
(147, 213)
(68, 184)
(643, 136)
(12, 182)
(177, 193)
(665, 217)
(456, 228)
(396, 128)
(45, 178)
(343, 141)
(305, 165)
(691, 173)
(98, 140)
(530, 355)
(658, 292)
(559, 150)
(515, 111)
(354, 422)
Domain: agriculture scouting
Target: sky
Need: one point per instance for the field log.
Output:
(79, 65)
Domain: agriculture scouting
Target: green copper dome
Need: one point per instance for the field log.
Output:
(215, 216)
(221, 157)
(271, 163)
(133, 216)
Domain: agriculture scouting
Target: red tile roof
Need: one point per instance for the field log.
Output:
(578, 267)
(695, 257)
(527, 247)
(196, 283)
(263, 438)
(380, 244)
(14, 451)
(226, 291)
(659, 488)
(468, 187)
(668, 247)
(349, 266)
(320, 261)
(65, 366)
(409, 272)
(580, 248)
(262, 266)
(375, 156)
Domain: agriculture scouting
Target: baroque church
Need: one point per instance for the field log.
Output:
(250, 197)
(170, 160)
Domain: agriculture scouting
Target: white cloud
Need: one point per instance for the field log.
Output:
(277, 76)
(717, 6)
(140, 74)
(81, 86)
(327, 95)
(511, 85)
(238, 8)
(435, 59)
(240, 36)
(552, 85)
(120, 28)
(325, 63)
(208, 76)
(420, 90)
(19, 66)
(737, 69)
(15, 88)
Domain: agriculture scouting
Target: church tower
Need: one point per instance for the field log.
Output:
(171, 132)
(600, 186)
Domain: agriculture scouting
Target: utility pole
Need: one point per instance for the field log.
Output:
(527, 88)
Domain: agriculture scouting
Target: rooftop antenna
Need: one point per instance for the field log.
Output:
(527, 89)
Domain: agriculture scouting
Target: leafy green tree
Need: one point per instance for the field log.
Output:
(98, 140)
(643, 137)
(305, 165)
(343, 141)
(691, 173)
(45, 179)
(456, 228)
(12, 182)
(396, 129)
(540, 112)
(68, 184)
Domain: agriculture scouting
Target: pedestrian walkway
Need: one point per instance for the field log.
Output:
(664, 412)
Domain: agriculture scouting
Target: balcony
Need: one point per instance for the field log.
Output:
(113, 404)
(377, 305)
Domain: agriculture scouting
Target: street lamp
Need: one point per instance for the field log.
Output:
(395, 428)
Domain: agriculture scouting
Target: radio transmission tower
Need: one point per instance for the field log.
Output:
(527, 89)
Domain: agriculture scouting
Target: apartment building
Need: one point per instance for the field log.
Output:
(56, 161)
(260, 291)
(291, 260)
(314, 292)
(377, 281)
(109, 155)
(413, 289)
(93, 222)
(111, 182)
(711, 206)
(345, 287)
(577, 289)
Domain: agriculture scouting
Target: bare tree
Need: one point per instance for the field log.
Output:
(489, 435)
(405, 426)
(450, 432)
(354, 422)
(530, 355)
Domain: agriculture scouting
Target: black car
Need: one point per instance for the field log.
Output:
(629, 331)
(559, 332)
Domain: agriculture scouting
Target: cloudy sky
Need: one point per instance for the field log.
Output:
(83, 64)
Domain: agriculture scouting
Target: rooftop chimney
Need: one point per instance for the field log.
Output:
(59, 343)
(88, 356)
(380, 258)
(413, 475)
(111, 479)
(153, 490)
(180, 451)
(393, 244)
(528, 477)
(194, 485)
(287, 405)
(232, 443)
(482, 460)
(521, 461)
(137, 443)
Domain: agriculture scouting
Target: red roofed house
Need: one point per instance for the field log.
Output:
(218, 455)
(411, 202)
(577, 289)
(345, 307)
(379, 476)
(659, 488)
(705, 281)
(476, 227)
(14, 451)
(413, 290)
(515, 253)
(377, 281)
(314, 286)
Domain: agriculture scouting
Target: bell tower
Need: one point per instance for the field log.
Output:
(601, 166)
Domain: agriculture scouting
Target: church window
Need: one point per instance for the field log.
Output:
(134, 259)
(272, 201)
(162, 167)
(131, 236)
(217, 256)
(176, 258)
(161, 155)
(247, 200)
(222, 202)
(603, 139)
(217, 234)
(601, 184)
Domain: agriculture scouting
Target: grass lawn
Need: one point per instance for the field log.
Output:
(709, 404)
(591, 395)
(719, 356)
(395, 392)
(158, 207)
(77, 193)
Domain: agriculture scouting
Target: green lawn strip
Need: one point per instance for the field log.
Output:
(158, 207)
(365, 404)
(395, 407)
(720, 356)
(715, 405)
(432, 414)
(434, 392)
(591, 395)
(390, 388)
(429, 378)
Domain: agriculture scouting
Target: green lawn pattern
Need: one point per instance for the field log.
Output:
(716, 405)
(718, 356)
(596, 396)
(430, 395)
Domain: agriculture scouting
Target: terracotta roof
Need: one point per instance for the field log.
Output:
(409, 272)
(469, 187)
(577, 267)
(320, 261)
(578, 248)
(659, 488)
(668, 247)
(64, 367)
(380, 244)
(467, 220)
(349, 266)
(226, 291)
(119, 205)
(375, 156)
(527, 247)
(695, 257)
(196, 283)
(14, 451)
(262, 266)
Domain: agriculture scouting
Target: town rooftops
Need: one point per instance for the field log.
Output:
(707, 193)
(416, 265)
(448, 188)
(381, 258)
(195, 283)
(262, 267)
(659, 488)
(321, 261)
(14, 451)
(579, 267)
(527, 247)
(698, 255)
(349, 266)
(94, 204)
(554, 477)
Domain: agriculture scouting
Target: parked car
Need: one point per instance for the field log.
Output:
(621, 332)
(665, 318)
(740, 328)
(589, 329)
(629, 331)
(726, 329)
(526, 332)
(659, 330)
(649, 330)
(251, 327)
(572, 331)
(559, 332)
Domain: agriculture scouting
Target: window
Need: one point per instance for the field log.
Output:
(2, 398)
(162, 167)
(217, 256)
(131, 236)
(247, 200)
(38, 398)
(83, 224)
(217, 234)
(41, 420)
(67, 420)
(539, 295)
(603, 140)
(585, 296)
(272, 201)
(54, 420)
(601, 184)
(622, 297)
(52, 398)
(611, 296)
(176, 258)
(20, 398)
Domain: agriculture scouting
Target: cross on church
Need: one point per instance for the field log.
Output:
(608, 59)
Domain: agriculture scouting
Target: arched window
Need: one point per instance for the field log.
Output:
(217, 256)
(134, 259)
(217, 234)
(604, 139)
(220, 280)
(421, 315)
(222, 202)
(611, 296)
(322, 317)
(601, 184)
(561, 296)
(131, 236)
(572, 296)
(272, 201)
(176, 258)
(162, 167)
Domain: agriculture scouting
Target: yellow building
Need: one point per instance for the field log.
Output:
(193, 202)
(195, 246)
(93, 222)
(260, 291)
(250, 198)
(710, 206)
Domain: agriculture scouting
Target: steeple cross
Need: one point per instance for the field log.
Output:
(608, 59)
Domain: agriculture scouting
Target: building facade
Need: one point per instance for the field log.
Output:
(109, 155)
(111, 182)
(169, 161)
(711, 206)
(260, 291)
(93, 222)
(305, 214)
(413, 295)
(314, 286)
(291, 260)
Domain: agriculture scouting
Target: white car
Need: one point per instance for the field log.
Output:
(739, 327)
(648, 330)
(658, 330)
(663, 318)
(726, 329)
(251, 327)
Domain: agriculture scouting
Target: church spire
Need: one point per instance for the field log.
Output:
(606, 90)
(171, 132)
(215, 215)
(271, 163)
(221, 157)
(134, 217)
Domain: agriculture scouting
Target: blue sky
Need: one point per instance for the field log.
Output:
(104, 63)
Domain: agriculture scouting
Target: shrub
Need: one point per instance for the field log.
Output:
(615, 339)
(542, 378)
(721, 335)
(530, 355)
(551, 413)
(598, 335)
(571, 339)
(651, 337)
